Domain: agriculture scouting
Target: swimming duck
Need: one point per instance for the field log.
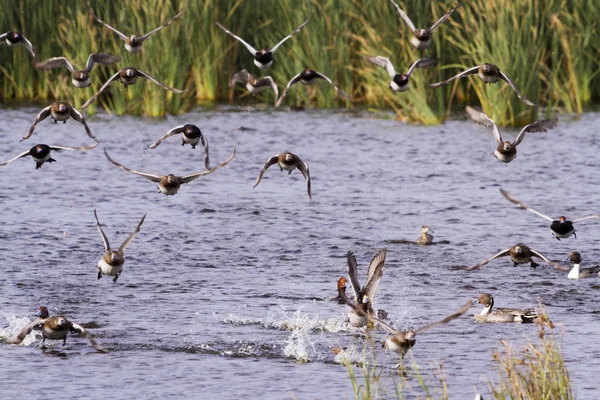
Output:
(502, 314)
(309, 77)
(263, 59)
(53, 328)
(60, 111)
(169, 184)
(561, 227)
(133, 43)
(289, 162)
(129, 76)
(421, 38)
(41, 153)
(111, 263)
(576, 272)
(190, 134)
(79, 77)
(254, 85)
(426, 237)
(14, 39)
(507, 151)
(399, 82)
(519, 254)
(489, 73)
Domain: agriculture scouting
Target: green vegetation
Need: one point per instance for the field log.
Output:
(548, 48)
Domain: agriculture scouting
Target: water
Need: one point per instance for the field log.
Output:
(225, 292)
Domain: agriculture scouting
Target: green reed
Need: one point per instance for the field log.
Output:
(547, 47)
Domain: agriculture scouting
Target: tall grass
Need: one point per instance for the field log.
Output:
(548, 47)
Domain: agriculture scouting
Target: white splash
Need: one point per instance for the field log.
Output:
(298, 346)
(279, 318)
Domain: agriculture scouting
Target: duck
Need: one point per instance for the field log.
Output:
(111, 263)
(561, 228)
(581, 273)
(426, 237)
(421, 38)
(263, 58)
(502, 314)
(60, 111)
(14, 39)
(364, 296)
(254, 85)
(399, 82)
(129, 76)
(53, 328)
(190, 134)
(133, 43)
(289, 162)
(80, 78)
(169, 184)
(489, 73)
(308, 77)
(507, 151)
(41, 153)
(519, 254)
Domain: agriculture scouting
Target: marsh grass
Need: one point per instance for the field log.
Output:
(548, 48)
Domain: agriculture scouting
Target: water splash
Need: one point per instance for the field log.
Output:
(15, 325)
(298, 346)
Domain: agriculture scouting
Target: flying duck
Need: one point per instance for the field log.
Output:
(561, 227)
(289, 162)
(190, 134)
(60, 111)
(14, 39)
(309, 77)
(169, 184)
(519, 254)
(399, 82)
(502, 314)
(263, 58)
(79, 77)
(41, 153)
(576, 272)
(489, 73)
(254, 85)
(133, 43)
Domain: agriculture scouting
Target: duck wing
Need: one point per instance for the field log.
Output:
(383, 62)
(522, 206)
(422, 63)
(25, 331)
(586, 218)
(81, 330)
(288, 36)
(470, 71)
(172, 132)
(121, 35)
(353, 273)
(23, 154)
(150, 177)
(444, 17)
(449, 318)
(45, 113)
(159, 83)
(100, 58)
(130, 238)
(102, 234)
(503, 253)
(514, 87)
(556, 265)
(374, 275)
(147, 35)
(481, 118)
(292, 82)
(189, 178)
(82, 148)
(77, 116)
(404, 16)
(268, 81)
(250, 48)
(303, 167)
(241, 76)
(270, 161)
(55, 62)
(102, 88)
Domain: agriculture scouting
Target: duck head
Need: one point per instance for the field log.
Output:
(43, 312)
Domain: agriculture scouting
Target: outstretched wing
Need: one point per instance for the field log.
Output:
(586, 218)
(385, 325)
(292, 82)
(541, 125)
(189, 178)
(23, 154)
(449, 318)
(250, 48)
(81, 330)
(45, 113)
(95, 96)
(503, 253)
(241, 76)
(102, 234)
(82, 148)
(288, 36)
(353, 273)
(29, 47)
(512, 85)
(130, 238)
(422, 63)
(55, 62)
(321, 76)
(547, 260)
(374, 275)
(481, 118)
(100, 58)
(151, 177)
(522, 206)
(153, 79)
(25, 331)
(121, 35)
(303, 167)
(468, 72)
(268, 81)
(404, 16)
(172, 132)
(444, 17)
(76, 115)
(383, 62)
(144, 37)
(270, 161)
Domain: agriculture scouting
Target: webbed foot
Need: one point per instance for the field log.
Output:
(99, 274)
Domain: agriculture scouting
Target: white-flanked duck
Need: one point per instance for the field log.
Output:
(254, 85)
(399, 82)
(14, 39)
(41, 153)
(53, 328)
(580, 273)
(289, 162)
(426, 237)
(520, 254)
(562, 228)
(79, 77)
(133, 43)
(488, 314)
(60, 111)
(129, 76)
(111, 263)
(421, 38)
(507, 151)
(309, 77)
(169, 184)
(489, 73)
(263, 58)
(190, 134)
